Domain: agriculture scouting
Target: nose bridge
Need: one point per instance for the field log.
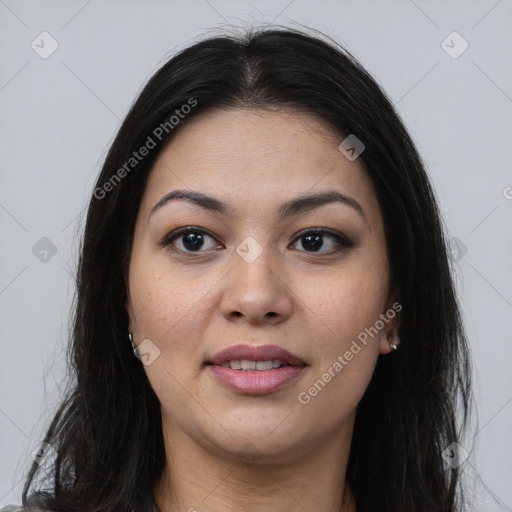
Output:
(254, 261)
(255, 287)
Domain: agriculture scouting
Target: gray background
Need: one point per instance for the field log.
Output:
(59, 115)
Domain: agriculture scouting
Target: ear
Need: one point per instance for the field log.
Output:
(394, 321)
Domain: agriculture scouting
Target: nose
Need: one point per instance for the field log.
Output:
(256, 291)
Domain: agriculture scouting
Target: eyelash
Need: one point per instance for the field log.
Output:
(341, 240)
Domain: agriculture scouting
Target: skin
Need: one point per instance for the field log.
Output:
(228, 451)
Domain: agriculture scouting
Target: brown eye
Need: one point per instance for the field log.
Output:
(315, 241)
(190, 240)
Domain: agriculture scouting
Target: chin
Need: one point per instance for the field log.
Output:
(265, 442)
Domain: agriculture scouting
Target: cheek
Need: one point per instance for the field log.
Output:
(346, 303)
(166, 306)
(343, 311)
(345, 354)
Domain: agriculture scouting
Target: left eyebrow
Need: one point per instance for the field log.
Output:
(288, 209)
(309, 202)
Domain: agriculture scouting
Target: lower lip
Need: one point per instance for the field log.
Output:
(256, 382)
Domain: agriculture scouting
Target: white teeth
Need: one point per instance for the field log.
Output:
(264, 365)
(248, 365)
(245, 364)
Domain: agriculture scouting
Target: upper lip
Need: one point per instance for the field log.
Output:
(255, 353)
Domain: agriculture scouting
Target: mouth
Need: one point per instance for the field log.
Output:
(255, 370)
(248, 365)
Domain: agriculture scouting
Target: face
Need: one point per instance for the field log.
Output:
(311, 279)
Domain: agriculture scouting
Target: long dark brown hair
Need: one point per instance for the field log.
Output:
(107, 432)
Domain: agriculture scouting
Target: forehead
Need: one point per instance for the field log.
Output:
(254, 157)
(234, 138)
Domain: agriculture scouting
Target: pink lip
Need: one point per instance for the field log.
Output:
(256, 382)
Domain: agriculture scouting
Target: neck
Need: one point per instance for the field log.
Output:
(196, 479)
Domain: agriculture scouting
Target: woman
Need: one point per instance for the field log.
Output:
(264, 233)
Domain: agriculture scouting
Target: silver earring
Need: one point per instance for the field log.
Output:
(130, 337)
(392, 345)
